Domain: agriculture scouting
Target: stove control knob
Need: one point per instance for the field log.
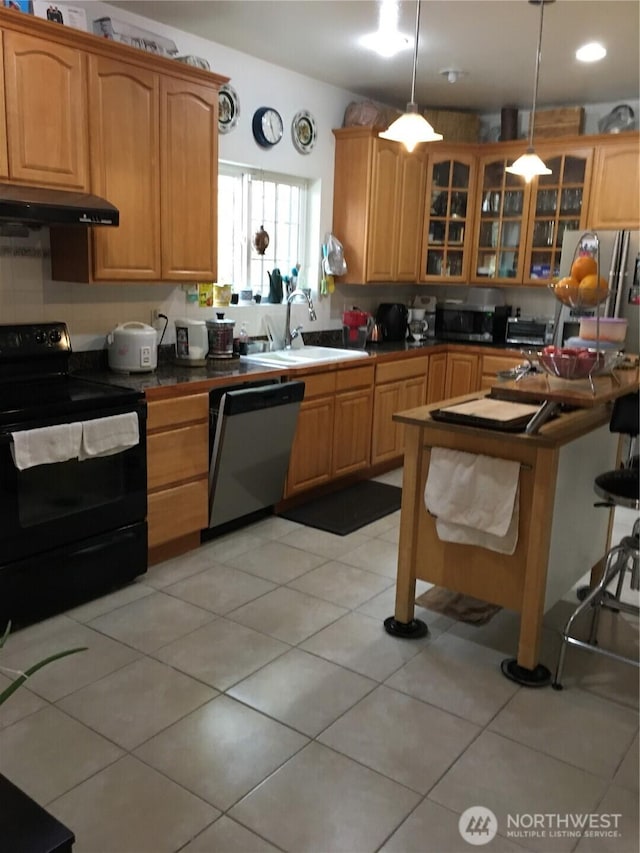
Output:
(40, 336)
(55, 336)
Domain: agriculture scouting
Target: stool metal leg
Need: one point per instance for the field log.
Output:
(616, 562)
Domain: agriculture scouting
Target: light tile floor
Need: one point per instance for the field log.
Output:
(245, 697)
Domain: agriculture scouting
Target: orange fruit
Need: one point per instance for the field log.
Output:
(582, 266)
(566, 290)
(593, 289)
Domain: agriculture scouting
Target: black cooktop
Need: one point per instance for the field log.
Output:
(52, 397)
(36, 387)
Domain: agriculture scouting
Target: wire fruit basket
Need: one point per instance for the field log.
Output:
(582, 290)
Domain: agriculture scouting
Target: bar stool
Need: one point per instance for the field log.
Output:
(617, 488)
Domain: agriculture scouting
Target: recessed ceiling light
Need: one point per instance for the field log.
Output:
(592, 52)
(387, 40)
(386, 44)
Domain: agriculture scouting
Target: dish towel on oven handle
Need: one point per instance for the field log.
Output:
(107, 436)
(46, 445)
(474, 498)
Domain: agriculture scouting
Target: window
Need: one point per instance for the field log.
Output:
(248, 199)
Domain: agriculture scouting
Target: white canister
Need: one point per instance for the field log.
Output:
(133, 348)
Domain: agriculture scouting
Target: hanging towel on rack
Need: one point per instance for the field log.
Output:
(106, 436)
(474, 498)
(46, 445)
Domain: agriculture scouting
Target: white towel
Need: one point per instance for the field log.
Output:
(464, 535)
(475, 493)
(46, 445)
(106, 436)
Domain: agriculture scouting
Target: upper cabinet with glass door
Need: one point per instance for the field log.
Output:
(558, 202)
(448, 217)
(501, 222)
(520, 226)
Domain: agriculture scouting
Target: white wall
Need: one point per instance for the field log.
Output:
(27, 293)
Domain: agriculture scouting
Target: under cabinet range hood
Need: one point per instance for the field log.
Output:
(43, 206)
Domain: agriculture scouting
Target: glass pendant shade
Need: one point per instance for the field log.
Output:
(410, 129)
(528, 165)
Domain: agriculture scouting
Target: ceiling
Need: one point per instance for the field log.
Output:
(494, 41)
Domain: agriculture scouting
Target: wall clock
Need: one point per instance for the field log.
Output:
(228, 108)
(303, 131)
(267, 127)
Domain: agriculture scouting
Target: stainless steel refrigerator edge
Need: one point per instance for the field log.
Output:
(620, 264)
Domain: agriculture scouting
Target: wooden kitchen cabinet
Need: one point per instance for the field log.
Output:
(189, 180)
(492, 364)
(140, 130)
(463, 375)
(167, 138)
(119, 150)
(400, 385)
(437, 377)
(46, 113)
(177, 470)
(333, 434)
(558, 202)
(378, 206)
(352, 420)
(448, 219)
(312, 448)
(502, 203)
(616, 177)
(519, 227)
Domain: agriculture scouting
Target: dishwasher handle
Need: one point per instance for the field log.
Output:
(267, 397)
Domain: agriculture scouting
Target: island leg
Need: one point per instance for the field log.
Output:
(526, 669)
(403, 623)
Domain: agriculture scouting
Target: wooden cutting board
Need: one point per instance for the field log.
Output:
(486, 408)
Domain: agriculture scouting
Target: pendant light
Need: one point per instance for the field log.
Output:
(412, 128)
(529, 164)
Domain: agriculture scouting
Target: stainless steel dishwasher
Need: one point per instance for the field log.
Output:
(251, 431)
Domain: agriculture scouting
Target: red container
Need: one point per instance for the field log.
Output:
(355, 320)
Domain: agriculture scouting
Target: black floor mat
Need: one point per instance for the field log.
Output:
(349, 509)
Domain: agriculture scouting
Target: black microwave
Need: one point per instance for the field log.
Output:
(472, 323)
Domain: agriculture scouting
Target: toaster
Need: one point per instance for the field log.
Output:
(529, 331)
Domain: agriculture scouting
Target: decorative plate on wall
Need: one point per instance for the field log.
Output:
(228, 108)
(303, 131)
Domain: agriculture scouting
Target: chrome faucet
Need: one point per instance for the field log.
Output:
(289, 336)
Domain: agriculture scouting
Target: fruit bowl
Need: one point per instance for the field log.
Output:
(566, 366)
(568, 363)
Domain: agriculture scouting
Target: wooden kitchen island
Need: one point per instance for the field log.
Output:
(561, 534)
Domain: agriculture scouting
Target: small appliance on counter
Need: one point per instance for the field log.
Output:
(192, 342)
(394, 319)
(482, 318)
(132, 348)
(529, 331)
(220, 334)
(428, 304)
(357, 326)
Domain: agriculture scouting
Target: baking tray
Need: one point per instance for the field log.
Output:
(488, 413)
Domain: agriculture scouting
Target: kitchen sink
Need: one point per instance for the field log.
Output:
(304, 356)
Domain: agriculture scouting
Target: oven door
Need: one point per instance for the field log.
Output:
(49, 506)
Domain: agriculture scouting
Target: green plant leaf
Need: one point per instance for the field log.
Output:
(18, 682)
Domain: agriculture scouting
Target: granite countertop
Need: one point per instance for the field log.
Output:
(94, 365)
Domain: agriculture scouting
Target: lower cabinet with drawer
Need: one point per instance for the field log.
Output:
(400, 385)
(177, 471)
